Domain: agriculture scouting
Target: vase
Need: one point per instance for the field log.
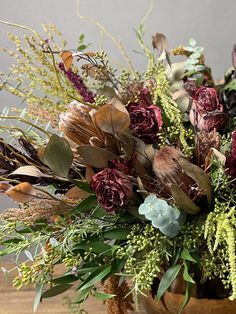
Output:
(172, 302)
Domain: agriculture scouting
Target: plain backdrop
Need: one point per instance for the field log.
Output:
(212, 23)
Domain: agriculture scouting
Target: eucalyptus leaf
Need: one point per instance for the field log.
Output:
(103, 296)
(199, 67)
(95, 156)
(186, 275)
(58, 289)
(86, 205)
(167, 279)
(38, 296)
(96, 276)
(192, 42)
(192, 61)
(198, 49)
(58, 156)
(186, 296)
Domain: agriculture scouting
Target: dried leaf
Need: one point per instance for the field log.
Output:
(67, 59)
(31, 171)
(183, 201)
(5, 186)
(179, 94)
(95, 72)
(198, 175)
(95, 156)
(76, 193)
(159, 42)
(112, 118)
(23, 192)
(89, 173)
(58, 155)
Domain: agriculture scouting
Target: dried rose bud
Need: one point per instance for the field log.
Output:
(206, 112)
(230, 163)
(112, 188)
(204, 142)
(76, 123)
(145, 122)
(234, 57)
(124, 165)
(145, 98)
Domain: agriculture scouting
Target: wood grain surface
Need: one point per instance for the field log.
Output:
(21, 302)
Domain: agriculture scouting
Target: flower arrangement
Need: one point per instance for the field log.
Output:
(127, 179)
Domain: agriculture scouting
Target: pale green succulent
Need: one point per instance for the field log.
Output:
(166, 218)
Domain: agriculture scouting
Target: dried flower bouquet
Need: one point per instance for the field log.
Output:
(125, 178)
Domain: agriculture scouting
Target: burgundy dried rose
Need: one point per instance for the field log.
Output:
(127, 166)
(145, 122)
(145, 98)
(207, 112)
(112, 188)
(230, 162)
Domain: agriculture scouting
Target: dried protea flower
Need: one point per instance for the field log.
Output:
(77, 124)
(204, 142)
(186, 182)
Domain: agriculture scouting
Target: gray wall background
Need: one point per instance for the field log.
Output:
(211, 22)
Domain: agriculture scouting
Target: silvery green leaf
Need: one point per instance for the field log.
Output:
(171, 230)
(190, 49)
(53, 242)
(192, 61)
(199, 67)
(195, 55)
(190, 67)
(198, 49)
(29, 255)
(192, 42)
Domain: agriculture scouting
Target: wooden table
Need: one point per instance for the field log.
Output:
(21, 302)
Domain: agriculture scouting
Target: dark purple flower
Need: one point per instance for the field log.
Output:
(145, 98)
(145, 122)
(230, 163)
(206, 112)
(124, 165)
(78, 83)
(112, 188)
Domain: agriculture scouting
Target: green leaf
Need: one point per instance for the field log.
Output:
(187, 257)
(167, 280)
(117, 234)
(230, 86)
(186, 296)
(192, 42)
(82, 47)
(103, 296)
(81, 37)
(198, 49)
(83, 185)
(58, 156)
(96, 276)
(97, 247)
(83, 295)
(68, 278)
(58, 289)
(99, 212)
(38, 297)
(86, 205)
(6, 251)
(14, 241)
(186, 275)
